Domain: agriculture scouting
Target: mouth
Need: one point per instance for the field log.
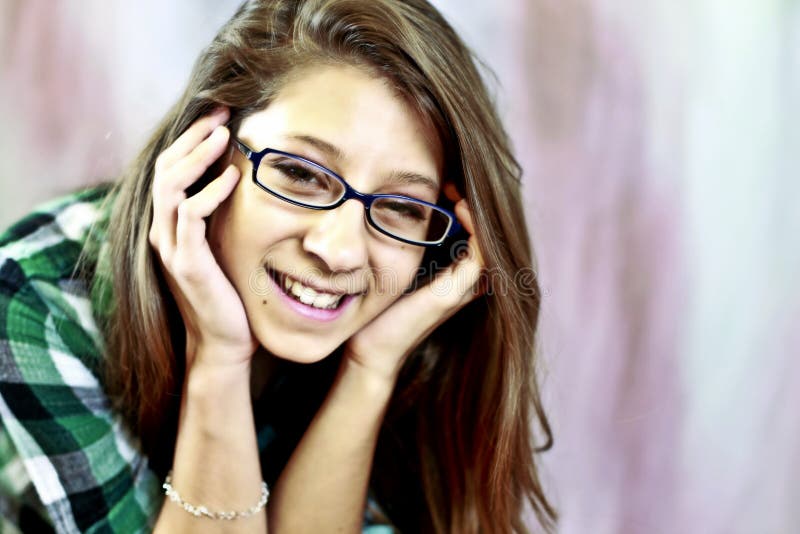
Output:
(313, 302)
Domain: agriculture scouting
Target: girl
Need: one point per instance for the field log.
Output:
(300, 310)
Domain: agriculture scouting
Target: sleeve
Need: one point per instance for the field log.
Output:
(375, 520)
(378, 529)
(84, 467)
(20, 508)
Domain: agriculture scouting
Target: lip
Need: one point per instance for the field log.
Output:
(310, 312)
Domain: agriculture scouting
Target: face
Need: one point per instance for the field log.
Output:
(310, 279)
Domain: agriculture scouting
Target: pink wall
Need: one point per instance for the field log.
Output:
(659, 142)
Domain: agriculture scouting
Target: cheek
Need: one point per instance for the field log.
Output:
(397, 271)
(245, 227)
(237, 236)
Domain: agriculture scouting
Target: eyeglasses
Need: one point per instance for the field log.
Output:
(304, 183)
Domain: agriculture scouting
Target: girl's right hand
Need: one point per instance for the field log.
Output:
(217, 330)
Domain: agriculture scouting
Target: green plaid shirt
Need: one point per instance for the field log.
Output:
(67, 462)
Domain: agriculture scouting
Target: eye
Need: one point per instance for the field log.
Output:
(407, 210)
(402, 209)
(298, 180)
(297, 172)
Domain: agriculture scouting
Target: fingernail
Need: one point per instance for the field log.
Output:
(220, 113)
(451, 191)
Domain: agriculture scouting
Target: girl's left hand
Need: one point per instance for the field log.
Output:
(382, 345)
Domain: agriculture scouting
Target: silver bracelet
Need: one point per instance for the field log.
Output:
(202, 511)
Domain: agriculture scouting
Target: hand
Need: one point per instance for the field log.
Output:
(211, 308)
(384, 343)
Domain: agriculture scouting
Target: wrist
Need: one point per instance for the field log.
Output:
(206, 378)
(215, 399)
(368, 383)
(207, 349)
(215, 357)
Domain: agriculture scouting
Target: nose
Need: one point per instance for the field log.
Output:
(338, 237)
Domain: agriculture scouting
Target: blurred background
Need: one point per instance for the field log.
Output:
(661, 147)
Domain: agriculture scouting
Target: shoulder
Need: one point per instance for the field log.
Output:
(41, 292)
(72, 214)
(86, 469)
(44, 242)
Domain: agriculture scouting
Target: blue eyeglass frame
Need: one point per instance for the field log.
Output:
(349, 193)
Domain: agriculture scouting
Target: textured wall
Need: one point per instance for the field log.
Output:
(660, 142)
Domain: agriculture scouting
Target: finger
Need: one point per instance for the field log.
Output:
(464, 216)
(162, 230)
(458, 284)
(470, 282)
(463, 276)
(191, 228)
(192, 137)
(451, 192)
(451, 289)
(169, 187)
(193, 165)
(430, 306)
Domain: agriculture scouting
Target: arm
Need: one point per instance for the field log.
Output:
(63, 453)
(324, 486)
(216, 461)
(216, 455)
(19, 506)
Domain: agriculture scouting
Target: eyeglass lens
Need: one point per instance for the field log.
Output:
(301, 182)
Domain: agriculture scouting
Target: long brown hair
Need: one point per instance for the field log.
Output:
(456, 452)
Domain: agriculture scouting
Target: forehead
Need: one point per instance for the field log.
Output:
(358, 114)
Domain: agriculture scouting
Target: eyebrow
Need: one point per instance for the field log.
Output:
(396, 177)
(413, 178)
(329, 149)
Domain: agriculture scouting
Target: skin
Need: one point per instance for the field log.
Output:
(210, 271)
(335, 249)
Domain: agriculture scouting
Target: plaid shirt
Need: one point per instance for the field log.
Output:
(67, 461)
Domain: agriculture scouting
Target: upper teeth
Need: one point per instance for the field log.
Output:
(309, 296)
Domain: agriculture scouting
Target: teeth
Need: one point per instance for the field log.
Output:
(305, 294)
(310, 297)
(326, 301)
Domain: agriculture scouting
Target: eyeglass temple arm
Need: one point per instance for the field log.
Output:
(455, 228)
(243, 148)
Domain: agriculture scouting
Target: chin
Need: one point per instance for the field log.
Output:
(297, 350)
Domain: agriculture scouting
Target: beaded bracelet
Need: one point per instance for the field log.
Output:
(202, 511)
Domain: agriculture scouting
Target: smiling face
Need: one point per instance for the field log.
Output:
(310, 279)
